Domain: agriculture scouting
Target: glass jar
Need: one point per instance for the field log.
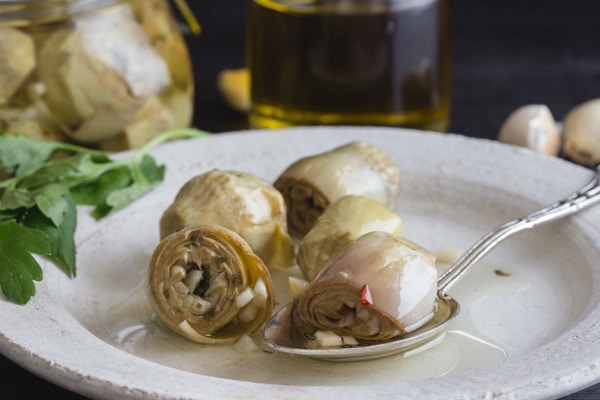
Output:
(349, 62)
(109, 74)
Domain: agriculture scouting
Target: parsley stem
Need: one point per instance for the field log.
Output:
(160, 139)
(169, 135)
(73, 148)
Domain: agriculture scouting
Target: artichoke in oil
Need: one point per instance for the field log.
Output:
(207, 285)
(340, 224)
(311, 184)
(374, 290)
(238, 201)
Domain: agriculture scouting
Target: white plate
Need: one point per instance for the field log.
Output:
(529, 327)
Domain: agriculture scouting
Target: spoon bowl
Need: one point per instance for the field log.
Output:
(279, 333)
(279, 337)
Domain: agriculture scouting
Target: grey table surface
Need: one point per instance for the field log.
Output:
(506, 53)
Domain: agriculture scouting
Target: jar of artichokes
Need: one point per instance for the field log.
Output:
(109, 74)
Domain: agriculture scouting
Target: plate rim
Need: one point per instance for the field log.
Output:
(104, 384)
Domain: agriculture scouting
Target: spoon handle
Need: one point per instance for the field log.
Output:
(583, 198)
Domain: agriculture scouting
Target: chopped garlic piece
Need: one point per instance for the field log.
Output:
(260, 293)
(248, 313)
(244, 297)
(328, 339)
(296, 286)
(349, 341)
(245, 345)
(448, 254)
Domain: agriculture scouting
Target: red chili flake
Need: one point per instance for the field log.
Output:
(365, 296)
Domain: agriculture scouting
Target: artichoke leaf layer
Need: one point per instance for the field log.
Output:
(238, 201)
(312, 183)
(341, 223)
(208, 285)
(400, 277)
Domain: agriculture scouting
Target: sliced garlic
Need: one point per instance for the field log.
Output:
(532, 126)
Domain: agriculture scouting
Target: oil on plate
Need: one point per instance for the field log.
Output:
(529, 325)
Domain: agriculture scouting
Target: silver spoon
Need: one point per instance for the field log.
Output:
(277, 331)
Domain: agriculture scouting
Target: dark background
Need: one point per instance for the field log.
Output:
(506, 53)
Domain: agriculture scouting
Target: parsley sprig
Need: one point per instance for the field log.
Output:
(41, 184)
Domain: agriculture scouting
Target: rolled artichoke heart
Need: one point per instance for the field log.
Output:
(341, 223)
(312, 183)
(99, 74)
(238, 201)
(206, 284)
(375, 289)
(17, 60)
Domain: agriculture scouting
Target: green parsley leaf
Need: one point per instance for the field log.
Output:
(39, 198)
(18, 268)
(49, 199)
(61, 238)
(20, 153)
(150, 176)
(95, 193)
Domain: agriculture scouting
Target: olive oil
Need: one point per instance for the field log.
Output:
(349, 63)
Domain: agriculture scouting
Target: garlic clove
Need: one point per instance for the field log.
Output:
(534, 127)
(234, 86)
(581, 133)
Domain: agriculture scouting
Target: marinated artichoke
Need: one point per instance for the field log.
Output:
(112, 76)
(311, 184)
(343, 222)
(206, 284)
(238, 201)
(96, 82)
(376, 289)
(17, 60)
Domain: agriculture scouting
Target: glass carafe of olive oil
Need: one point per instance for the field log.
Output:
(349, 62)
